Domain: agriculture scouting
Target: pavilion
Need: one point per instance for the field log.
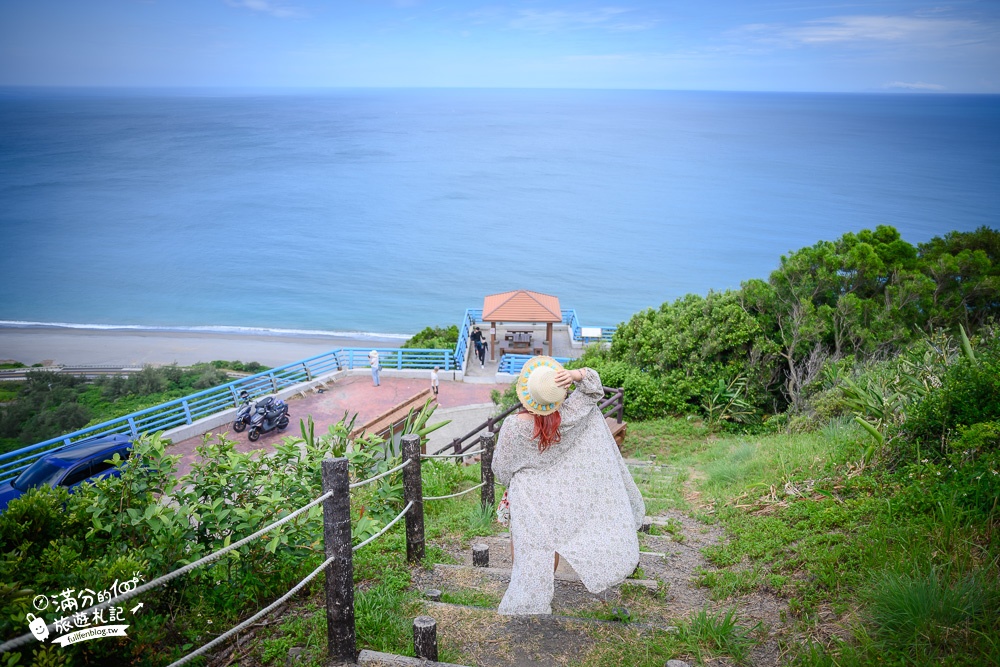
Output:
(521, 306)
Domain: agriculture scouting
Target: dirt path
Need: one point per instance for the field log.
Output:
(673, 564)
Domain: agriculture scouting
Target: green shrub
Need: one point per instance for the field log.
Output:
(969, 394)
(434, 338)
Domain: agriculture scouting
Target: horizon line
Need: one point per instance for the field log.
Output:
(285, 88)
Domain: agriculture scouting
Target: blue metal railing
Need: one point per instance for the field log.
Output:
(464, 331)
(570, 318)
(205, 403)
(189, 409)
(513, 363)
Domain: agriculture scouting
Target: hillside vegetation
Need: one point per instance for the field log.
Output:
(763, 350)
(49, 404)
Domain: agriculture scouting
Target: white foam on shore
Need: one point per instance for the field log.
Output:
(209, 329)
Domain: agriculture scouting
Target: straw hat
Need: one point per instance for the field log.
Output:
(536, 387)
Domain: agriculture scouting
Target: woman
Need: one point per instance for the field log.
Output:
(569, 491)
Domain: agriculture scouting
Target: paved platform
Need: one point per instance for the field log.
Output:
(354, 394)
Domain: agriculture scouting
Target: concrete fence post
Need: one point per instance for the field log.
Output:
(413, 491)
(486, 472)
(340, 572)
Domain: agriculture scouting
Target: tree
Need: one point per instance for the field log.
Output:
(965, 268)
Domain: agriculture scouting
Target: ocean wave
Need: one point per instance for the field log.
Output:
(209, 329)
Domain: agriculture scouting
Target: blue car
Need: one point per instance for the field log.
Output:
(80, 462)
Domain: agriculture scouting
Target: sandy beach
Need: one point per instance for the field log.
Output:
(84, 346)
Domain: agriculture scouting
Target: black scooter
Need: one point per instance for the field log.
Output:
(243, 414)
(270, 414)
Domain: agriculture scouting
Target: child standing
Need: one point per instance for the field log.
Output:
(434, 380)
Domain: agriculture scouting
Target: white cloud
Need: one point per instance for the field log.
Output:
(911, 31)
(268, 7)
(606, 18)
(918, 85)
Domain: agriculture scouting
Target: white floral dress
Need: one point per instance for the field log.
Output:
(576, 498)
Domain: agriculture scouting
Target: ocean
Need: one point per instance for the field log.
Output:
(385, 211)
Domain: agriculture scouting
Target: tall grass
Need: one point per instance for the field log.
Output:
(932, 613)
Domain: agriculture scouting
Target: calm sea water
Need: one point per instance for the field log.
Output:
(389, 210)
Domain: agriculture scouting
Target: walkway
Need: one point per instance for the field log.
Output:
(354, 394)
(562, 346)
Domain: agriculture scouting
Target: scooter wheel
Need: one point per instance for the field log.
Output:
(283, 424)
(254, 434)
(239, 426)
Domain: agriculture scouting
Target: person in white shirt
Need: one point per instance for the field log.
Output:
(434, 380)
(376, 366)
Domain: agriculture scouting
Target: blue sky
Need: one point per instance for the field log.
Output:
(805, 45)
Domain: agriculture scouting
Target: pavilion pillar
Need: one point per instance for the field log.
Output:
(548, 335)
(493, 341)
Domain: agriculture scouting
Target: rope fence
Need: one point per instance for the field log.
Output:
(159, 581)
(456, 495)
(451, 456)
(337, 537)
(280, 601)
(379, 476)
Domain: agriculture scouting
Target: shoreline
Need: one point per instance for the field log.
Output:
(50, 345)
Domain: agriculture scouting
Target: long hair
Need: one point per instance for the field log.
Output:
(547, 430)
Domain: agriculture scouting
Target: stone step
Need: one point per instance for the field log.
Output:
(569, 577)
(378, 659)
(491, 640)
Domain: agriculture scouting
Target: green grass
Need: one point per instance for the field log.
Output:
(911, 580)
(872, 572)
(699, 639)
(471, 598)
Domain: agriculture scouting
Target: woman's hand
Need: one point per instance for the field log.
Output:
(565, 378)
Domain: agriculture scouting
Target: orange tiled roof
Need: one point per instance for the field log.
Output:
(521, 306)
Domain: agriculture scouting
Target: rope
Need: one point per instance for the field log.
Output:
(263, 612)
(460, 493)
(450, 456)
(380, 476)
(387, 526)
(266, 610)
(28, 637)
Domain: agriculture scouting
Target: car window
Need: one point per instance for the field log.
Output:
(39, 473)
(78, 474)
(97, 467)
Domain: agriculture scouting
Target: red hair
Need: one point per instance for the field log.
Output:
(547, 429)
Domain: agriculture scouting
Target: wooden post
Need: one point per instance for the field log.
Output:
(340, 572)
(548, 335)
(486, 472)
(425, 643)
(413, 491)
(621, 404)
(480, 555)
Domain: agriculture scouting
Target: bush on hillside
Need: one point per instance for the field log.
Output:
(434, 338)
(969, 394)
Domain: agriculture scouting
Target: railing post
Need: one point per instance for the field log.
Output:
(486, 472)
(309, 375)
(132, 428)
(274, 383)
(187, 412)
(621, 404)
(340, 572)
(413, 491)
